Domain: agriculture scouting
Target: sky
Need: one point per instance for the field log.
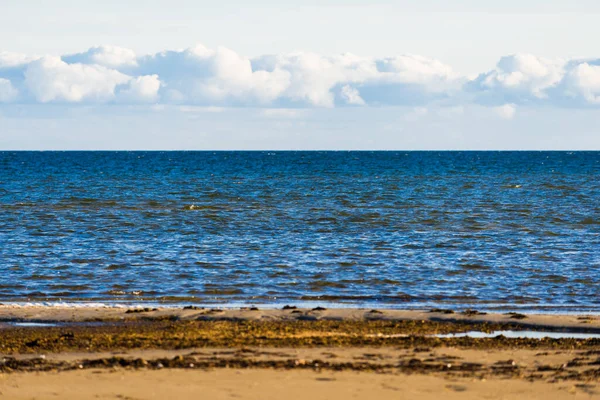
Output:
(184, 74)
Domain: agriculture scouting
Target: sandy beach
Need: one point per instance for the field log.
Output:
(249, 353)
(273, 384)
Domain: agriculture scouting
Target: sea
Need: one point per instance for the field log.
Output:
(390, 229)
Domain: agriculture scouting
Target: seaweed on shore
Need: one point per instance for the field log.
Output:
(450, 367)
(165, 333)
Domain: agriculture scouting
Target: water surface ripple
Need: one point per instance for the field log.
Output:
(401, 229)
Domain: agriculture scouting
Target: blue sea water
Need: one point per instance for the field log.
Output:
(492, 230)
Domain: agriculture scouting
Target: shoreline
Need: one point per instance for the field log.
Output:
(139, 352)
(583, 322)
(542, 309)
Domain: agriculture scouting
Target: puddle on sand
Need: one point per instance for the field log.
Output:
(32, 324)
(48, 324)
(27, 324)
(523, 335)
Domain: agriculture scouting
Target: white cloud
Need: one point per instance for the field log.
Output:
(584, 81)
(107, 56)
(12, 60)
(527, 72)
(7, 91)
(312, 77)
(143, 89)
(519, 77)
(352, 96)
(416, 69)
(315, 80)
(506, 111)
(203, 77)
(233, 78)
(51, 79)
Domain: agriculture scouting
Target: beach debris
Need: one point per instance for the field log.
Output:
(193, 308)
(456, 388)
(140, 310)
(586, 319)
(441, 310)
(421, 349)
(506, 363)
(470, 312)
(514, 315)
(67, 336)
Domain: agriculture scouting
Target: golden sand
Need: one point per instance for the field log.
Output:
(292, 353)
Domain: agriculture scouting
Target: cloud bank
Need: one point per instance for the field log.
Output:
(220, 77)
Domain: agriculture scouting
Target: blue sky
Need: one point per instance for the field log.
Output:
(185, 74)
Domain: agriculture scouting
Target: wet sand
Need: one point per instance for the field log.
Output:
(79, 314)
(142, 353)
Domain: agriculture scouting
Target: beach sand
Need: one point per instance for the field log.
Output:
(272, 384)
(146, 353)
(79, 313)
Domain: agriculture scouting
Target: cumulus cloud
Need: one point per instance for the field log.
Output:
(11, 60)
(221, 77)
(313, 77)
(416, 69)
(519, 78)
(143, 89)
(51, 79)
(349, 79)
(232, 78)
(7, 91)
(107, 56)
(526, 79)
(583, 81)
(351, 95)
(203, 77)
(12, 66)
